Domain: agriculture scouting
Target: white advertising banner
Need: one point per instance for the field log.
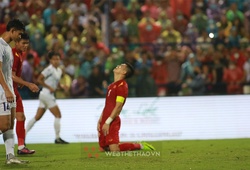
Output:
(148, 119)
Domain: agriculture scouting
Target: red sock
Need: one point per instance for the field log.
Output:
(20, 131)
(129, 146)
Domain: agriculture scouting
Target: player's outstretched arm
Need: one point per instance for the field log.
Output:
(8, 94)
(33, 87)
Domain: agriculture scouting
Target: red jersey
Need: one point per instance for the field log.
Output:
(119, 88)
(17, 64)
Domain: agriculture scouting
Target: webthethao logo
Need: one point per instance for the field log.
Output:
(96, 152)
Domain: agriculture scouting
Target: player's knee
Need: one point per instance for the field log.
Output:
(114, 148)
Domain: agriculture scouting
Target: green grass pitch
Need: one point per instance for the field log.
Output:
(231, 154)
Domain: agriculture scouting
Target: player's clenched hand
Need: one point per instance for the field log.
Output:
(105, 129)
(33, 87)
(9, 96)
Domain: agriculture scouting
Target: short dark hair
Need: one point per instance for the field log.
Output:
(24, 36)
(29, 56)
(16, 24)
(52, 53)
(130, 70)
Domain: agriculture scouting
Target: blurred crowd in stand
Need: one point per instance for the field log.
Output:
(178, 47)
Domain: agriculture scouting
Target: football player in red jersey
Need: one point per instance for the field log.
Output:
(21, 46)
(109, 123)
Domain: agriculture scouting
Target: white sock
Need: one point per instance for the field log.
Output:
(57, 126)
(8, 138)
(30, 124)
(20, 147)
(141, 146)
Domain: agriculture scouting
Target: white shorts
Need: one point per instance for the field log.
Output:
(5, 108)
(47, 101)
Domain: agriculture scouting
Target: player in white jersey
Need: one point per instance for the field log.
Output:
(13, 32)
(49, 79)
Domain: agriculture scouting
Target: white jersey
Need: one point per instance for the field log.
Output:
(6, 57)
(52, 77)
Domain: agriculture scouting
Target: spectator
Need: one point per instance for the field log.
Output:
(79, 88)
(85, 69)
(4, 24)
(132, 28)
(160, 75)
(149, 6)
(34, 6)
(171, 36)
(96, 80)
(194, 85)
(77, 5)
(219, 86)
(37, 41)
(63, 92)
(164, 6)
(225, 25)
(49, 14)
(149, 30)
(62, 15)
(233, 76)
(173, 70)
(22, 14)
(183, 6)
(180, 23)
(118, 30)
(27, 75)
(92, 30)
(54, 37)
(234, 13)
(35, 26)
(199, 20)
(145, 83)
(164, 21)
(134, 8)
(187, 68)
(119, 11)
(246, 67)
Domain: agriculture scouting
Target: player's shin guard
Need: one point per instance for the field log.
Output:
(8, 138)
(20, 131)
(129, 146)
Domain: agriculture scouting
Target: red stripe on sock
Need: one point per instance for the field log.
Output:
(20, 131)
(129, 146)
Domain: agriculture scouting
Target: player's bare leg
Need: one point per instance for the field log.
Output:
(57, 125)
(114, 148)
(40, 112)
(8, 137)
(5, 123)
(20, 131)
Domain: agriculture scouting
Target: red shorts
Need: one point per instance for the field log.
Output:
(19, 102)
(113, 136)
